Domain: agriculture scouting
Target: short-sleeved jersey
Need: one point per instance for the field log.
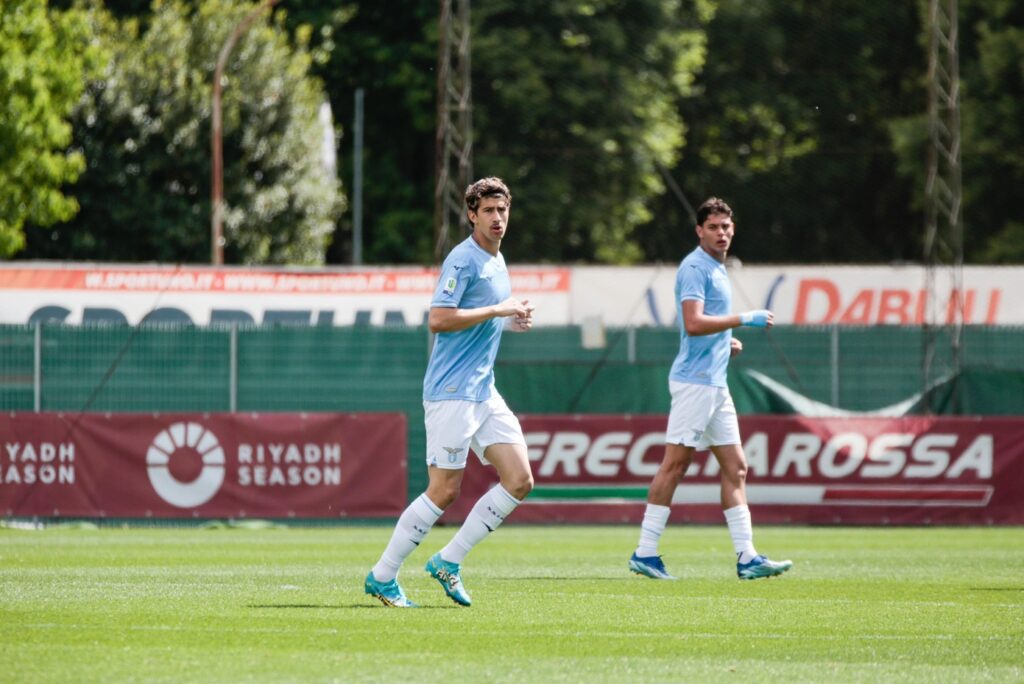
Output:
(462, 363)
(703, 359)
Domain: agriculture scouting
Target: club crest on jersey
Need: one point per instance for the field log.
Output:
(449, 286)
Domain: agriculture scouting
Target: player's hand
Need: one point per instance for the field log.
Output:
(762, 318)
(514, 307)
(521, 322)
(735, 347)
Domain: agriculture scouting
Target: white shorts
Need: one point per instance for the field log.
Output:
(454, 426)
(702, 416)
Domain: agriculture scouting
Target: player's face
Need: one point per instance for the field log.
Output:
(490, 220)
(716, 235)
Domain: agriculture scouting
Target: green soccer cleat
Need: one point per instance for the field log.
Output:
(388, 593)
(448, 575)
(760, 566)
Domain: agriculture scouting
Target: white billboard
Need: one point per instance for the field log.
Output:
(563, 295)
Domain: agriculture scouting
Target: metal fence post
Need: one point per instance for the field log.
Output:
(834, 362)
(37, 368)
(233, 368)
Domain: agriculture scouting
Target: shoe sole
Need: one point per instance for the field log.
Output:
(390, 604)
(444, 585)
(633, 567)
(768, 573)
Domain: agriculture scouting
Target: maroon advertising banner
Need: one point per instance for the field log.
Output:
(863, 471)
(217, 465)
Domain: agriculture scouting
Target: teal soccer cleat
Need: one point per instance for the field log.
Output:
(649, 566)
(448, 575)
(760, 566)
(388, 593)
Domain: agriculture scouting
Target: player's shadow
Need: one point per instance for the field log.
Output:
(554, 578)
(322, 606)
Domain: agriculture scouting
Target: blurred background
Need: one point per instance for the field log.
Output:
(321, 137)
(609, 120)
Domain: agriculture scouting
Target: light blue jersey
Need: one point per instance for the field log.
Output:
(703, 360)
(462, 363)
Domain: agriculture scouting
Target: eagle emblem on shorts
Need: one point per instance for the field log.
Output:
(453, 453)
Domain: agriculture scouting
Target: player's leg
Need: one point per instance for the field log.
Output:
(500, 439)
(491, 509)
(645, 559)
(723, 431)
(687, 417)
(448, 439)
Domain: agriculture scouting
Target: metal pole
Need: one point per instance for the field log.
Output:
(217, 154)
(357, 181)
(233, 368)
(834, 353)
(37, 368)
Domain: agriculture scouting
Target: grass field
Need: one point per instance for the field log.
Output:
(550, 604)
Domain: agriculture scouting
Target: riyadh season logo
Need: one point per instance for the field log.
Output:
(179, 442)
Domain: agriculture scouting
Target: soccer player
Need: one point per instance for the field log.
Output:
(702, 413)
(472, 305)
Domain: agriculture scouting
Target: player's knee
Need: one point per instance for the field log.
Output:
(443, 494)
(520, 485)
(737, 474)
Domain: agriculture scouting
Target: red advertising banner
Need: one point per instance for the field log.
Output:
(862, 471)
(275, 465)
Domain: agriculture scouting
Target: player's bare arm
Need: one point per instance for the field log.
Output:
(446, 319)
(697, 323)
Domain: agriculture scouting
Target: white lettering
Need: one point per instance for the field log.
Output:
(852, 444)
(535, 441)
(28, 453)
(755, 448)
(566, 449)
(886, 456)
(288, 476)
(797, 450)
(976, 457)
(931, 461)
(635, 463)
(605, 456)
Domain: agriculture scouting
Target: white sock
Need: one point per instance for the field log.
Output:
(489, 511)
(655, 520)
(742, 532)
(412, 527)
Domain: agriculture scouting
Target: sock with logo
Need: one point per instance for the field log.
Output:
(655, 520)
(489, 511)
(412, 527)
(742, 532)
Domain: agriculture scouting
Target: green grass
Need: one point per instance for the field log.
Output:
(550, 604)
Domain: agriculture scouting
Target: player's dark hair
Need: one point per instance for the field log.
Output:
(712, 205)
(486, 187)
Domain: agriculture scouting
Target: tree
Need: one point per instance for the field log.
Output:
(575, 107)
(573, 104)
(789, 122)
(45, 57)
(144, 129)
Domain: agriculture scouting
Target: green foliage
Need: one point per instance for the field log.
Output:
(993, 130)
(145, 130)
(575, 108)
(389, 49)
(789, 123)
(45, 56)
